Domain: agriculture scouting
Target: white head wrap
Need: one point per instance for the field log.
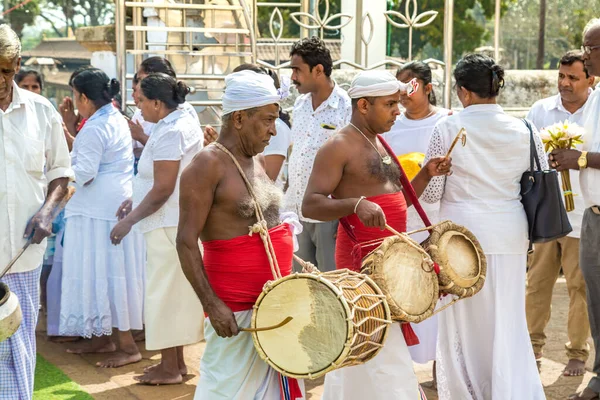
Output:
(247, 89)
(375, 83)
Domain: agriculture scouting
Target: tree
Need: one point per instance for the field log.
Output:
(539, 63)
(20, 13)
(65, 12)
(470, 20)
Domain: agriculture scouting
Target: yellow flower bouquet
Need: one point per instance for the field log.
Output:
(563, 135)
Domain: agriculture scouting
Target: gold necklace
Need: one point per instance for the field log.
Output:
(387, 160)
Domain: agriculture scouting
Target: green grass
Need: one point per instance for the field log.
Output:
(52, 384)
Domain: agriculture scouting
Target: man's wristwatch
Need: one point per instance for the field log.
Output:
(582, 160)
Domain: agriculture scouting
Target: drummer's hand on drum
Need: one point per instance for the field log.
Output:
(222, 319)
(370, 214)
(439, 166)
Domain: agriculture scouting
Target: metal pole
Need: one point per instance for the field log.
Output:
(448, 38)
(358, 27)
(120, 16)
(497, 33)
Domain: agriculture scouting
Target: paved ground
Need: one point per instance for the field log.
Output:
(118, 384)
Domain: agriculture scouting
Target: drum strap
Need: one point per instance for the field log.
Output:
(260, 226)
(408, 188)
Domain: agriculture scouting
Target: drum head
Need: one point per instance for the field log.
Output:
(316, 336)
(462, 257)
(399, 270)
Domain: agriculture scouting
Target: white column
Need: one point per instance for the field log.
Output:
(351, 33)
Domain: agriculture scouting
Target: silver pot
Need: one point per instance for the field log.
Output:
(10, 312)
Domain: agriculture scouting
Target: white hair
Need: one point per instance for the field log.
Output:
(10, 45)
(593, 24)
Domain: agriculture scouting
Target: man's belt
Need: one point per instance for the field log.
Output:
(595, 209)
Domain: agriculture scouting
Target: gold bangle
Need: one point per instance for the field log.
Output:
(358, 202)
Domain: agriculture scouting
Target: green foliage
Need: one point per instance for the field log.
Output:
(23, 15)
(470, 20)
(565, 20)
(290, 28)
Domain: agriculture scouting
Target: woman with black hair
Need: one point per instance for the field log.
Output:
(172, 312)
(102, 285)
(29, 79)
(140, 128)
(484, 351)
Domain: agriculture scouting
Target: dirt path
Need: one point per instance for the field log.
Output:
(118, 384)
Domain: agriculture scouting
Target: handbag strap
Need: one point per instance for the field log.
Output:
(533, 157)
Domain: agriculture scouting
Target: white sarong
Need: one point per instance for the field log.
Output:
(484, 351)
(231, 369)
(389, 375)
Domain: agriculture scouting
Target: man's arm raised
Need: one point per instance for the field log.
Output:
(325, 177)
(197, 188)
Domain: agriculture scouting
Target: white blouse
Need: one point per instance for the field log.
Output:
(483, 193)
(176, 137)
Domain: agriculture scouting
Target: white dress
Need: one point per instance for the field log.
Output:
(102, 284)
(484, 351)
(409, 136)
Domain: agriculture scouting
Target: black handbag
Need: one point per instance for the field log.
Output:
(541, 198)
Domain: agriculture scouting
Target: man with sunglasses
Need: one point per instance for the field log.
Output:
(587, 162)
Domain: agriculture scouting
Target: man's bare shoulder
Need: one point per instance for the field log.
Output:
(341, 141)
(207, 165)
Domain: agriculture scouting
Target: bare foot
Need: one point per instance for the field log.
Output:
(182, 370)
(574, 368)
(159, 377)
(119, 360)
(587, 394)
(63, 339)
(538, 361)
(91, 347)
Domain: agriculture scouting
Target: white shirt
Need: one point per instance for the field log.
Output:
(102, 151)
(549, 111)
(589, 178)
(31, 140)
(410, 136)
(175, 138)
(483, 193)
(279, 145)
(308, 135)
(148, 126)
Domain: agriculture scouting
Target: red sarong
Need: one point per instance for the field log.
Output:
(238, 268)
(352, 234)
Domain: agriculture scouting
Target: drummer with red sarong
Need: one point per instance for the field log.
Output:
(356, 178)
(224, 192)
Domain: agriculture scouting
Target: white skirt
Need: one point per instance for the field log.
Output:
(173, 313)
(484, 351)
(102, 284)
(426, 331)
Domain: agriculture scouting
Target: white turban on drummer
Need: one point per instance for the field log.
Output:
(248, 89)
(375, 83)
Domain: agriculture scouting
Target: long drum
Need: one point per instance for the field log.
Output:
(463, 265)
(339, 319)
(399, 267)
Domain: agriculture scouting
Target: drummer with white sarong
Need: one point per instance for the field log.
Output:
(31, 137)
(354, 179)
(216, 207)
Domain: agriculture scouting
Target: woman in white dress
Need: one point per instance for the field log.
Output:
(102, 284)
(172, 313)
(410, 134)
(483, 351)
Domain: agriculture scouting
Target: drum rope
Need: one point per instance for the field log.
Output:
(426, 257)
(260, 226)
